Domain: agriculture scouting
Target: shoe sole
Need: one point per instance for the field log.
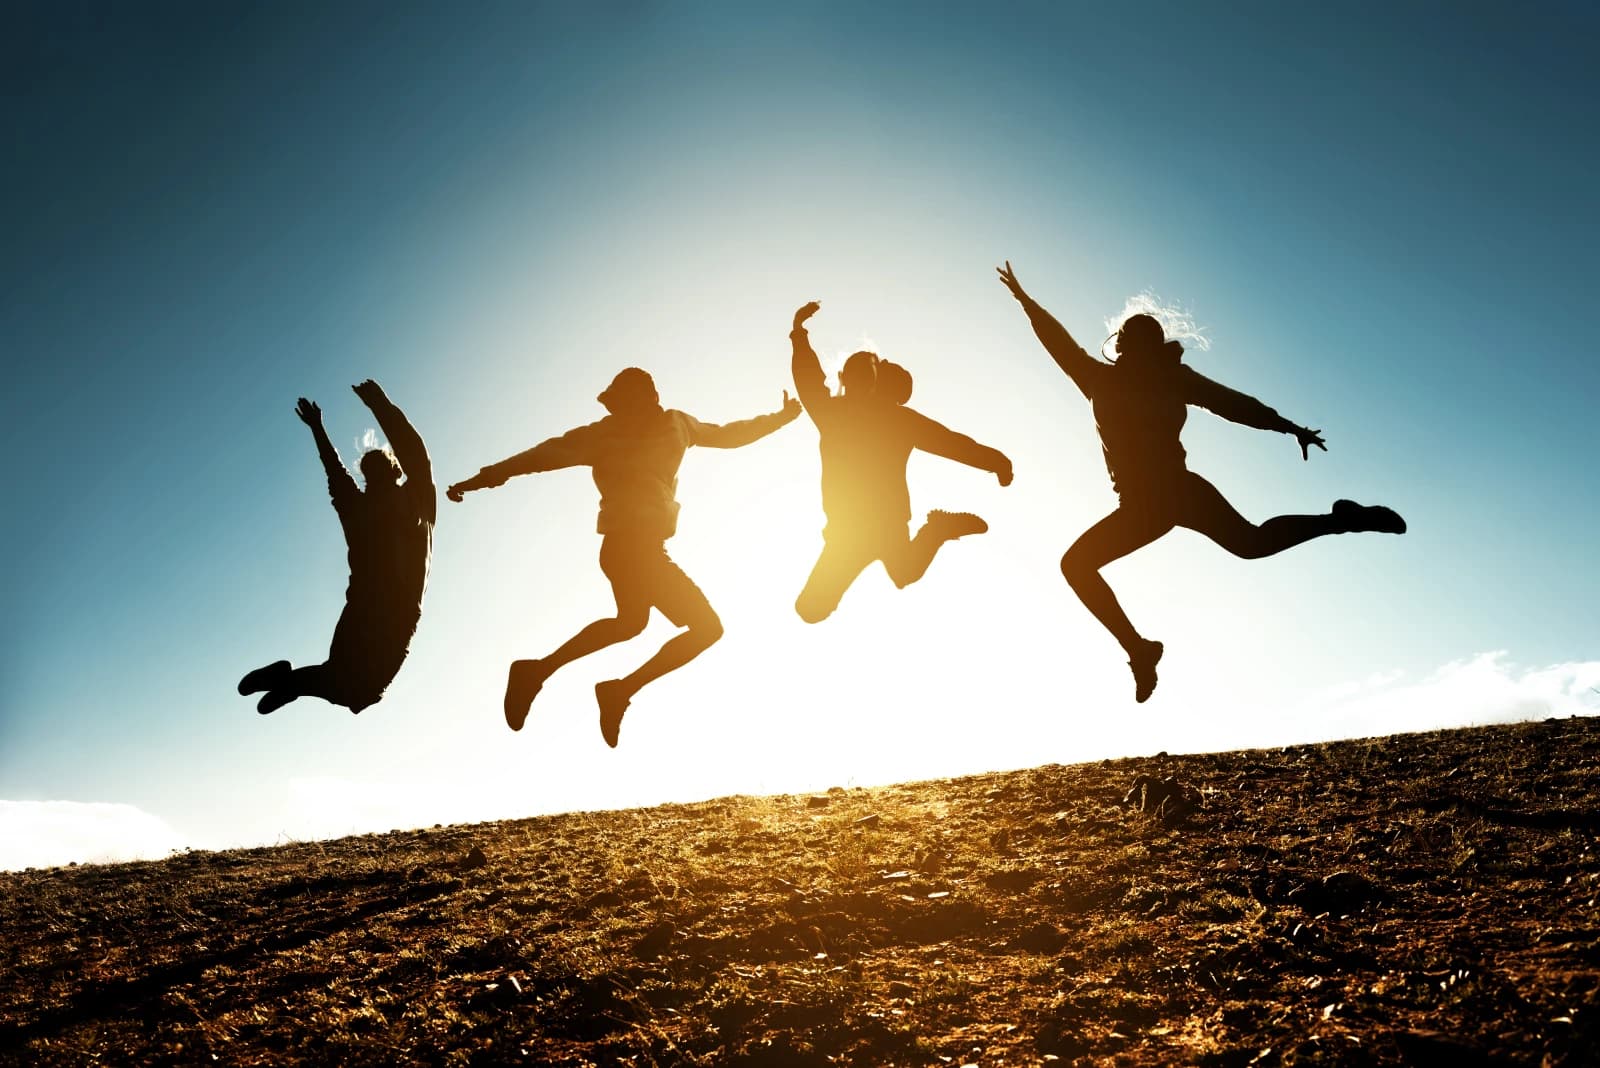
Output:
(516, 708)
(1160, 651)
(610, 729)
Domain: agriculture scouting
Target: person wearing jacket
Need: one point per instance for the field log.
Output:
(388, 529)
(1140, 404)
(634, 453)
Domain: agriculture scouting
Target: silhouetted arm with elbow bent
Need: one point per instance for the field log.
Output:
(744, 431)
(810, 384)
(575, 448)
(1070, 356)
(341, 486)
(934, 437)
(1245, 410)
(406, 443)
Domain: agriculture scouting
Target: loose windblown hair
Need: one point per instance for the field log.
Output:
(369, 441)
(1176, 323)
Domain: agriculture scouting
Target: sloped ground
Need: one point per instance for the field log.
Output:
(1417, 899)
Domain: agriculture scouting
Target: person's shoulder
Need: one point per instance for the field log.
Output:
(1189, 378)
(909, 419)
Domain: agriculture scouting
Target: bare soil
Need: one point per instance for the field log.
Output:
(1418, 899)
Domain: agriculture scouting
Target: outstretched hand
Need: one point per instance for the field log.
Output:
(1307, 438)
(805, 313)
(1009, 278)
(1003, 472)
(454, 493)
(368, 391)
(308, 412)
(791, 407)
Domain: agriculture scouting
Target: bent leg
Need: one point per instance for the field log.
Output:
(1115, 536)
(681, 601)
(842, 560)
(620, 559)
(907, 561)
(596, 636)
(675, 594)
(1204, 509)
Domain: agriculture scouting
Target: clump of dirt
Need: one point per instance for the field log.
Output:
(1426, 898)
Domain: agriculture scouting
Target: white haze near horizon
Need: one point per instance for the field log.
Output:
(1482, 689)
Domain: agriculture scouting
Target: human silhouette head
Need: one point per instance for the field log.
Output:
(893, 384)
(631, 393)
(379, 469)
(1142, 340)
(859, 372)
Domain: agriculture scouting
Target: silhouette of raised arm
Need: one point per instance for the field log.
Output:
(744, 431)
(934, 437)
(1241, 408)
(404, 440)
(575, 448)
(810, 384)
(341, 486)
(1068, 354)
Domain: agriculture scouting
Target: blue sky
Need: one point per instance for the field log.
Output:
(1382, 215)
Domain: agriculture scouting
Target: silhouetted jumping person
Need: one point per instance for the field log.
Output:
(866, 437)
(1140, 402)
(388, 528)
(635, 452)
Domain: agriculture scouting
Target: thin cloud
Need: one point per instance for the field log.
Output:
(42, 834)
(1485, 688)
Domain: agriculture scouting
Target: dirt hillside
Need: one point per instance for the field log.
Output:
(1419, 899)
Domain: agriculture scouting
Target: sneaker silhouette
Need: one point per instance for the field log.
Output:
(523, 683)
(1144, 670)
(264, 678)
(952, 525)
(613, 703)
(1369, 517)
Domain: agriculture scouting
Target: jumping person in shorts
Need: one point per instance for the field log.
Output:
(1140, 403)
(388, 528)
(635, 452)
(866, 435)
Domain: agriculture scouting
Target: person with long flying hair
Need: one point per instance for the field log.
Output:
(388, 529)
(1140, 402)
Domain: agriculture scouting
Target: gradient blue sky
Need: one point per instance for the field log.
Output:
(1383, 215)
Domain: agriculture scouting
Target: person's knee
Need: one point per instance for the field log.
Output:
(903, 572)
(631, 625)
(709, 629)
(1249, 544)
(811, 610)
(1076, 568)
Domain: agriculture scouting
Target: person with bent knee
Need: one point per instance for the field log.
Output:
(635, 452)
(1140, 403)
(388, 528)
(866, 434)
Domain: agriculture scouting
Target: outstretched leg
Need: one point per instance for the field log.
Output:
(527, 677)
(1115, 536)
(1204, 509)
(841, 562)
(909, 560)
(669, 589)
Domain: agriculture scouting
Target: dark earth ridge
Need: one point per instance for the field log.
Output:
(1417, 899)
